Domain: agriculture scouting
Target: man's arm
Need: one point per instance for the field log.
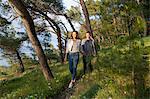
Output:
(94, 49)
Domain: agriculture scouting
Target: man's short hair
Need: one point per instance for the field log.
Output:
(88, 32)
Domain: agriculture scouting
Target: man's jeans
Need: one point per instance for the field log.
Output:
(87, 63)
(73, 62)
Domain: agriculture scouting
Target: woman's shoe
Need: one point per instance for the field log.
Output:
(70, 85)
(74, 81)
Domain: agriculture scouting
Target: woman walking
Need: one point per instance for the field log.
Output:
(73, 49)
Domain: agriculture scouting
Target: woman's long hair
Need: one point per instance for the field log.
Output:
(77, 35)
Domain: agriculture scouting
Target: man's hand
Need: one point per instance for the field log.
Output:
(91, 38)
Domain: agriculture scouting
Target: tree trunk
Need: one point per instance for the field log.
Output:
(69, 22)
(145, 8)
(21, 10)
(146, 12)
(64, 26)
(58, 32)
(59, 40)
(65, 15)
(65, 38)
(148, 26)
(60, 43)
(56, 29)
(86, 14)
(21, 66)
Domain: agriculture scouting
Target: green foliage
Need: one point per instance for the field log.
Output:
(75, 14)
(3, 21)
(52, 55)
(112, 19)
(145, 7)
(3, 72)
(93, 7)
(91, 92)
(57, 3)
(9, 43)
(125, 60)
(46, 5)
(17, 84)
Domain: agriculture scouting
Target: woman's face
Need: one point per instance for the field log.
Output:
(74, 35)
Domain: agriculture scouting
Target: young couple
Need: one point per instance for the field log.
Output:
(74, 47)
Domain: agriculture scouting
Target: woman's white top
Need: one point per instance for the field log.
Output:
(73, 46)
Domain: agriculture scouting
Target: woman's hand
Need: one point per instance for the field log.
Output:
(65, 59)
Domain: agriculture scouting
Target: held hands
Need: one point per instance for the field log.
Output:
(83, 53)
(94, 54)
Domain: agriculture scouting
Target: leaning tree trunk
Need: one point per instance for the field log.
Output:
(21, 66)
(58, 33)
(21, 10)
(59, 37)
(60, 43)
(70, 22)
(67, 18)
(56, 29)
(86, 14)
(65, 38)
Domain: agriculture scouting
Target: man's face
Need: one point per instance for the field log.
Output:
(87, 35)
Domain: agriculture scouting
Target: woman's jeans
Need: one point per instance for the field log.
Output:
(73, 62)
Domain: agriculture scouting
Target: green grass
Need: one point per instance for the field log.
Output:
(33, 84)
(22, 86)
(146, 41)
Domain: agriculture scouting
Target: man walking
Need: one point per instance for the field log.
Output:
(88, 50)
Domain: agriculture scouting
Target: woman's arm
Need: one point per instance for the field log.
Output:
(66, 52)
